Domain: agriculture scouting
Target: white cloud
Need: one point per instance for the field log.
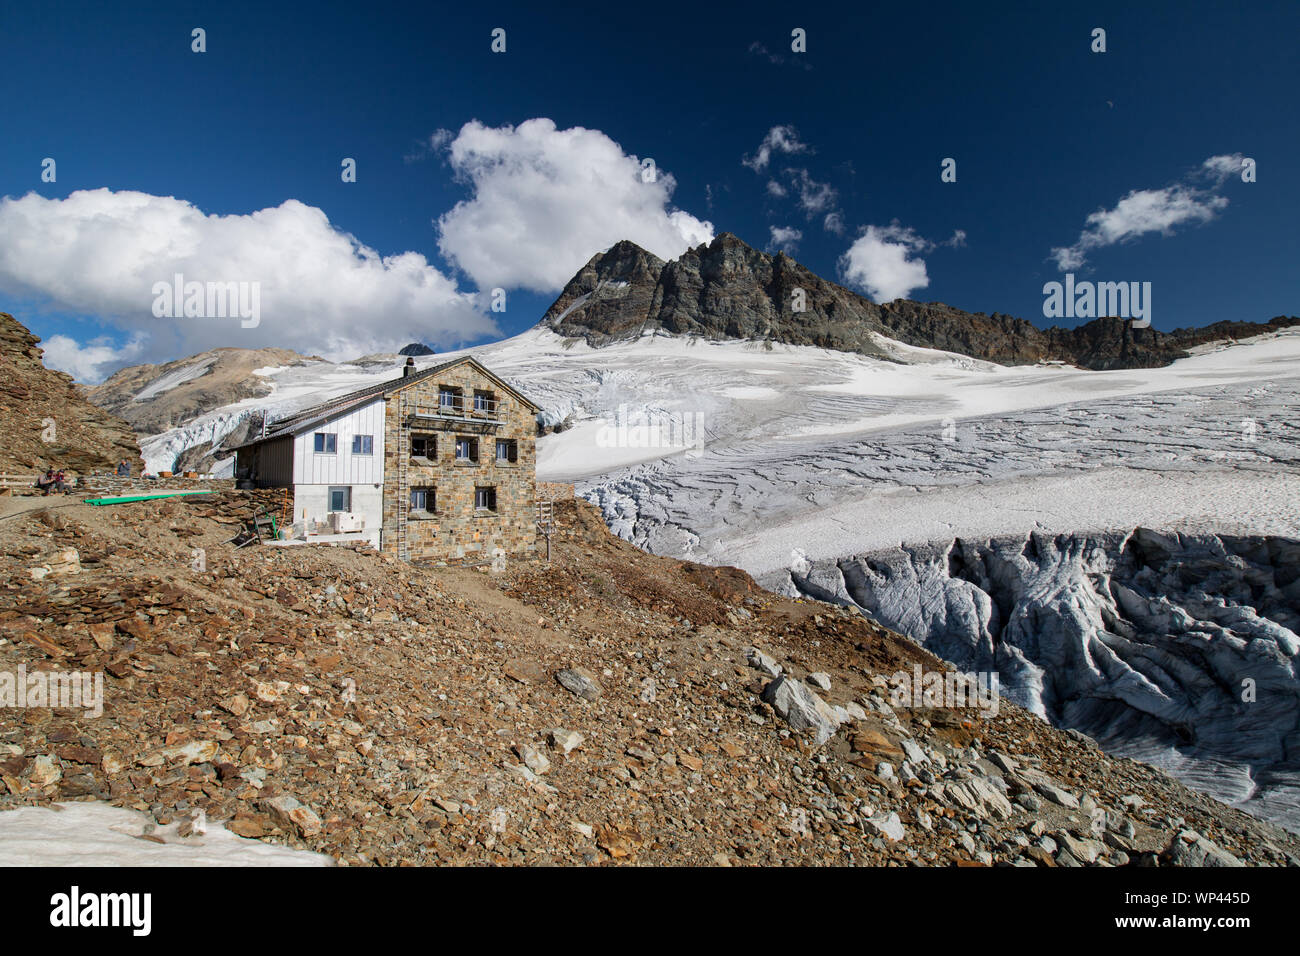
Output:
(91, 362)
(777, 59)
(815, 198)
(546, 200)
(779, 139)
(1221, 168)
(100, 252)
(435, 142)
(784, 238)
(882, 261)
(1145, 211)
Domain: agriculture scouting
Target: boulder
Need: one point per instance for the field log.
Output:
(802, 709)
(580, 681)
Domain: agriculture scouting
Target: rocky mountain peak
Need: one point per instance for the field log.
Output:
(727, 289)
(415, 348)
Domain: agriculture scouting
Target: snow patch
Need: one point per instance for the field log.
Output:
(97, 834)
(165, 383)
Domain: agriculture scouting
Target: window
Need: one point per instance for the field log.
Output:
(424, 499)
(507, 450)
(340, 497)
(424, 446)
(363, 444)
(449, 399)
(484, 402)
(485, 499)
(467, 449)
(326, 443)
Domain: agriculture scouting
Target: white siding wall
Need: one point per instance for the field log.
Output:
(343, 468)
(311, 503)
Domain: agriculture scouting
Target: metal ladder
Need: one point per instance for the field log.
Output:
(546, 521)
(546, 516)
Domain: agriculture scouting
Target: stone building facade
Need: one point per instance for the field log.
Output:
(460, 468)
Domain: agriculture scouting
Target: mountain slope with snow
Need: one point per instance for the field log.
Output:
(797, 463)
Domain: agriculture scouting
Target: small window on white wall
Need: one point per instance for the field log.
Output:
(340, 497)
(326, 443)
(363, 444)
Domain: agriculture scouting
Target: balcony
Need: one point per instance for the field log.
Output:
(474, 410)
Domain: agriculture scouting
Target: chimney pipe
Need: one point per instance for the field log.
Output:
(409, 367)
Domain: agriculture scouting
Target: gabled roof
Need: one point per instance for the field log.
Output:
(309, 418)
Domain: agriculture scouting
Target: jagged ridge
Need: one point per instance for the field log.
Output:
(727, 289)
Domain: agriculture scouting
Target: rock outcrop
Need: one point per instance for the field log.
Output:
(48, 423)
(727, 289)
(415, 348)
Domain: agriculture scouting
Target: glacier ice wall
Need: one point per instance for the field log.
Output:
(1177, 649)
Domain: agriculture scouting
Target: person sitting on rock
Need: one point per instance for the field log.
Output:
(46, 482)
(60, 482)
(123, 469)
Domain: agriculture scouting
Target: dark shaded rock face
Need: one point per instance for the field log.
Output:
(729, 290)
(415, 348)
(611, 296)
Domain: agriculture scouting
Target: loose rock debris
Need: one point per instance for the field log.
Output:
(610, 707)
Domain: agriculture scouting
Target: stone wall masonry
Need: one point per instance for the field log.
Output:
(554, 491)
(458, 533)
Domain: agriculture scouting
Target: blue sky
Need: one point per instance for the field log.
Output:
(225, 164)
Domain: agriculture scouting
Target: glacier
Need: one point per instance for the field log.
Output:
(1180, 650)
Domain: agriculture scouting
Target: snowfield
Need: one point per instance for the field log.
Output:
(798, 463)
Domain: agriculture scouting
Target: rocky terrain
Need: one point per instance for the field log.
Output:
(48, 423)
(610, 707)
(727, 289)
